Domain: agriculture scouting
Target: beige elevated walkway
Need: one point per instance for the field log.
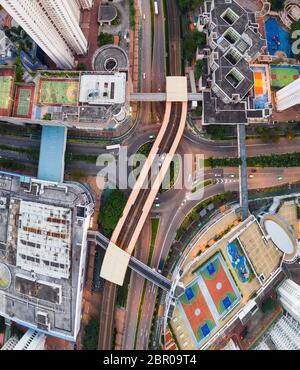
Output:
(116, 260)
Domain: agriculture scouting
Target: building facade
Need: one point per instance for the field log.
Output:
(85, 4)
(31, 341)
(43, 255)
(53, 25)
(289, 296)
(289, 96)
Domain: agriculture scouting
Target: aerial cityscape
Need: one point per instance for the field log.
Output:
(149, 176)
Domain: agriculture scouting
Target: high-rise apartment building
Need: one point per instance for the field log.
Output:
(85, 4)
(289, 96)
(53, 25)
(289, 296)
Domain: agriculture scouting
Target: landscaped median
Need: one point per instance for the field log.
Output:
(274, 160)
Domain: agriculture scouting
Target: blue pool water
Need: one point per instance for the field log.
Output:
(238, 262)
(277, 38)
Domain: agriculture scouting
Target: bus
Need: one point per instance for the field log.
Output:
(112, 147)
(155, 8)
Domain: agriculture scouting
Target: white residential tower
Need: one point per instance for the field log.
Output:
(289, 96)
(53, 25)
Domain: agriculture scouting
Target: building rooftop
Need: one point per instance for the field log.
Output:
(234, 43)
(103, 89)
(44, 252)
(107, 13)
(224, 266)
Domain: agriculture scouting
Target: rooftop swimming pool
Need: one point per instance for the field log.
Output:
(278, 39)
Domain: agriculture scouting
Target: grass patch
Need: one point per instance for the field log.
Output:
(202, 184)
(154, 228)
(140, 312)
(123, 290)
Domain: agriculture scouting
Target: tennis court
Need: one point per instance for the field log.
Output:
(199, 318)
(24, 101)
(282, 76)
(58, 92)
(6, 84)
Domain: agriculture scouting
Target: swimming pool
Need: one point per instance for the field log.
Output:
(277, 38)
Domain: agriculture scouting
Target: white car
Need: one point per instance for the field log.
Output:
(144, 76)
(144, 16)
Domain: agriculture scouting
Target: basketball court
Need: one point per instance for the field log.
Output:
(282, 76)
(208, 299)
(58, 92)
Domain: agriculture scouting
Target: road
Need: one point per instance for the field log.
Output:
(159, 58)
(175, 70)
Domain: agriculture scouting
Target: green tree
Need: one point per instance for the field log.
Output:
(191, 41)
(47, 117)
(111, 211)
(268, 134)
(91, 334)
(277, 5)
(198, 69)
(268, 305)
(185, 5)
(198, 111)
(105, 38)
(81, 67)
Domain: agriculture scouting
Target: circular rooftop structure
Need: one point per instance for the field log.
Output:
(110, 58)
(5, 276)
(279, 236)
(282, 235)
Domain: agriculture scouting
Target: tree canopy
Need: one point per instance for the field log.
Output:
(111, 211)
(91, 334)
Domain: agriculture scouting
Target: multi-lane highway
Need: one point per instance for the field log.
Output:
(174, 51)
(127, 229)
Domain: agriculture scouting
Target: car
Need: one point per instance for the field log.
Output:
(279, 178)
(144, 16)
(144, 76)
(151, 137)
(253, 170)
(231, 175)
(251, 176)
(156, 205)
